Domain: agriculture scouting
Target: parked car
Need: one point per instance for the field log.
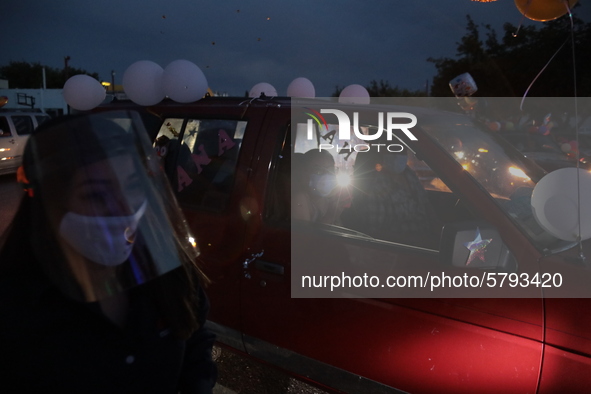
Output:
(15, 128)
(543, 149)
(231, 162)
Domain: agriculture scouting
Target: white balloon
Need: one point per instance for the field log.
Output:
(555, 203)
(354, 94)
(262, 87)
(83, 92)
(184, 82)
(142, 82)
(301, 87)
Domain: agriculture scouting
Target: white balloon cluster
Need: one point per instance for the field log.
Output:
(299, 87)
(146, 83)
(83, 92)
(304, 88)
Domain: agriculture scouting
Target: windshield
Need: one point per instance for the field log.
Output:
(501, 170)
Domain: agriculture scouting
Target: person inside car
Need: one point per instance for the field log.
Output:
(316, 195)
(100, 291)
(389, 201)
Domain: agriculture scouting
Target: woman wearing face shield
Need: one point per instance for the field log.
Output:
(99, 287)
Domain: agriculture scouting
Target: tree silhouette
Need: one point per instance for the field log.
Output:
(23, 75)
(507, 67)
(384, 89)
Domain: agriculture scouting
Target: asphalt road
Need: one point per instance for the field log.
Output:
(240, 374)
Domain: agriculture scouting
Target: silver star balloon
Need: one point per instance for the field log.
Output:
(477, 247)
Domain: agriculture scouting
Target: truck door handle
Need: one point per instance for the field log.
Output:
(272, 268)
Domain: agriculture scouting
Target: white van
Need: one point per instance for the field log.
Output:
(15, 128)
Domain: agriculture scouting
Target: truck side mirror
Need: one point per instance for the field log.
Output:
(475, 245)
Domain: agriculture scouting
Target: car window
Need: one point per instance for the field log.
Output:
(492, 161)
(4, 127)
(201, 155)
(166, 140)
(23, 124)
(409, 207)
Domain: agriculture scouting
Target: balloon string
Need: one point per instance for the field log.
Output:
(540, 73)
(520, 22)
(522, 18)
(577, 152)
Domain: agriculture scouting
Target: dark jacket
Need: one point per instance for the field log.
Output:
(53, 344)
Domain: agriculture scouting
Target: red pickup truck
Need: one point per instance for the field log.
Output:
(505, 307)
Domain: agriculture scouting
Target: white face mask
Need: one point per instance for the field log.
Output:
(323, 185)
(106, 240)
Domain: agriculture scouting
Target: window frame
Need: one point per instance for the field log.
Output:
(171, 162)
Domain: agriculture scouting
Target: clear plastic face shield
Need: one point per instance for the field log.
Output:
(104, 219)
